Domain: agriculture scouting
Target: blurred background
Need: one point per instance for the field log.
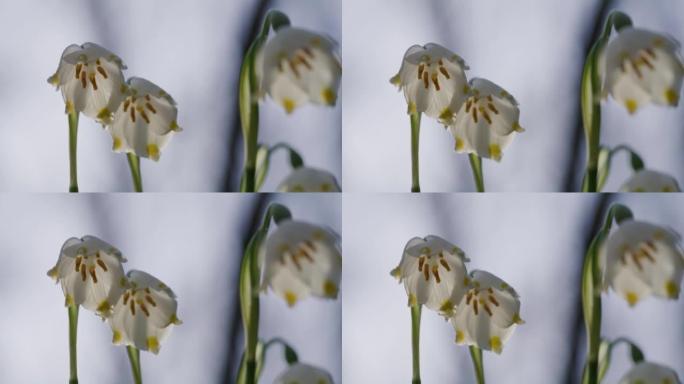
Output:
(535, 243)
(535, 49)
(194, 244)
(192, 49)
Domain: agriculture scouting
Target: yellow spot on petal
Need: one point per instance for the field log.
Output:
(175, 127)
(69, 107)
(395, 80)
(153, 344)
(466, 281)
(104, 307)
(631, 298)
(329, 96)
(671, 289)
(412, 107)
(330, 289)
(54, 80)
(175, 320)
(412, 300)
(116, 145)
(116, 337)
(326, 187)
(517, 127)
(659, 234)
(517, 319)
(671, 96)
(459, 144)
(105, 114)
(668, 188)
(459, 336)
(446, 114)
(396, 272)
(631, 105)
(447, 307)
(466, 88)
(495, 151)
(289, 105)
(290, 298)
(495, 344)
(69, 300)
(122, 282)
(153, 151)
(638, 189)
(53, 272)
(123, 88)
(297, 188)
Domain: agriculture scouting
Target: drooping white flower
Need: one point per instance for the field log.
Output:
(487, 121)
(640, 66)
(301, 259)
(144, 313)
(650, 373)
(299, 373)
(297, 66)
(433, 80)
(433, 272)
(145, 121)
(90, 273)
(640, 259)
(305, 179)
(646, 180)
(90, 78)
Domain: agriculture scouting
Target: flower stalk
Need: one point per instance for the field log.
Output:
(478, 364)
(73, 141)
(476, 166)
(73, 328)
(415, 141)
(415, 341)
(134, 165)
(134, 358)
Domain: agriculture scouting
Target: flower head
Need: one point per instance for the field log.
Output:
(433, 272)
(640, 66)
(297, 66)
(145, 120)
(144, 312)
(304, 179)
(487, 122)
(304, 374)
(90, 272)
(301, 259)
(650, 373)
(433, 80)
(646, 180)
(90, 79)
(640, 259)
(488, 313)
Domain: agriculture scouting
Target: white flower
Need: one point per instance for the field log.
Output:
(300, 373)
(640, 66)
(297, 66)
(640, 259)
(90, 79)
(488, 314)
(145, 121)
(487, 122)
(650, 373)
(91, 274)
(433, 80)
(646, 180)
(301, 259)
(433, 272)
(144, 312)
(305, 179)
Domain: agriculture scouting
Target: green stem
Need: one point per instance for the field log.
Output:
(478, 364)
(73, 141)
(73, 328)
(415, 342)
(134, 165)
(134, 358)
(476, 166)
(415, 141)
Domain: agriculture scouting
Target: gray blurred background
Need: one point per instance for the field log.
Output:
(535, 49)
(192, 49)
(191, 242)
(535, 243)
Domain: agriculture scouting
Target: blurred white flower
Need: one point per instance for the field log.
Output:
(650, 373)
(90, 78)
(305, 179)
(646, 180)
(488, 314)
(299, 373)
(145, 121)
(90, 273)
(297, 66)
(640, 259)
(487, 122)
(144, 312)
(433, 80)
(640, 66)
(434, 274)
(301, 259)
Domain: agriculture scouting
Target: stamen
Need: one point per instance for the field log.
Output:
(469, 104)
(646, 254)
(311, 245)
(144, 309)
(475, 307)
(489, 97)
(293, 66)
(650, 52)
(79, 66)
(486, 307)
(421, 67)
(295, 261)
(147, 97)
(150, 300)
(83, 79)
(469, 297)
(132, 306)
(426, 273)
(636, 69)
(435, 81)
(126, 104)
(144, 115)
(304, 61)
(305, 254)
(102, 264)
(78, 263)
(308, 52)
(486, 115)
(425, 80)
(645, 60)
(125, 298)
(475, 115)
(445, 265)
(150, 107)
(492, 108)
(92, 81)
(83, 272)
(421, 261)
(493, 300)
(435, 272)
(444, 72)
(93, 275)
(102, 72)
(636, 261)
(133, 114)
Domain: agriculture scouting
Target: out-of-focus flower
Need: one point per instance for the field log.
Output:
(650, 373)
(487, 122)
(90, 273)
(300, 373)
(640, 66)
(488, 314)
(640, 259)
(297, 66)
(434, 274)
(90, 78)
(305, 179)
(145, 121)
(646, 180)
(144, 313)
(433, 80)
(301, 259)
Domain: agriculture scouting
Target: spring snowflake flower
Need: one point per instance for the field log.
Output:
(145, 121)
(640, 259)
(434, 274)
(646, 180)
(488, 314)
(297, 66)
(90, 79)
(433, 80)
(144, 313)
(487, 122)
(90, 273)
(304, 179)
(640, 66)
(300, 373)
(301, 259)
(650, 373)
